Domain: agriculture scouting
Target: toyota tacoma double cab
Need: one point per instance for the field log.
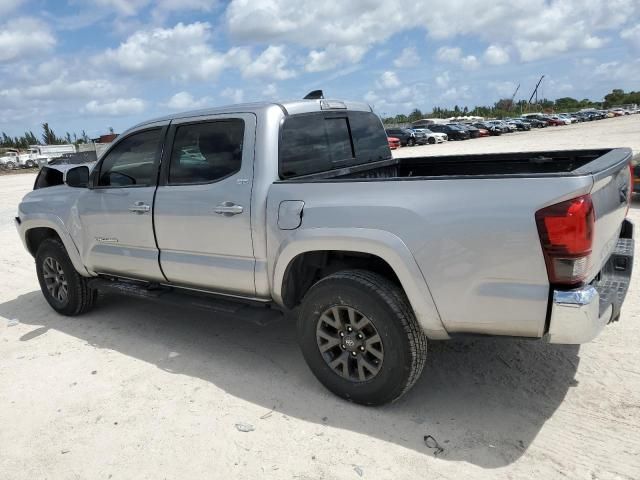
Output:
(299, 207)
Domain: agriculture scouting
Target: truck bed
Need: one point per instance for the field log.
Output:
(469, 222)
(520, 164)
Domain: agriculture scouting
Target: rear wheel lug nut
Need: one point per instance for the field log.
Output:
(354, 353)
(349, 329)
(343, 347)
(362, 349)
(342, 334)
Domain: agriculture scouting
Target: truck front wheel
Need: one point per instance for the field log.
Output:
(359, 336)
(63, 287)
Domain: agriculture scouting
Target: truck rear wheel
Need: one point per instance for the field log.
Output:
(360, 338)
(10, 165)
(63, 287)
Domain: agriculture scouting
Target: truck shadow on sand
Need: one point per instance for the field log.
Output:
(483, 400)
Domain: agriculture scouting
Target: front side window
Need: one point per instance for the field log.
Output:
(206, 152)
(132, 161)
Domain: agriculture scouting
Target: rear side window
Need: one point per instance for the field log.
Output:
(206, 152)
(320, 142)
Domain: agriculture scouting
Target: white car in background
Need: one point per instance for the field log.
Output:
(432, 137)
(566, 116)
(566, 121)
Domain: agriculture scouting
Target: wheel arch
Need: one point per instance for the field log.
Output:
(35, 230)
(381, 251)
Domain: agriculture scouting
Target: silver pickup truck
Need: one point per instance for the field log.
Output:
(300, 207)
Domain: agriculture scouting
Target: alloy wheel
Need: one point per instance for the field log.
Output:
(55, 279)
(349, 343)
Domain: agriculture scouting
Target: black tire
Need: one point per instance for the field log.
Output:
(30, 164)
(411, 142)
(386, 307)
(10, 165)
(79, 297)
(431, 140)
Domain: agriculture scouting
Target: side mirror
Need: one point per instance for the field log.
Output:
(77, 177)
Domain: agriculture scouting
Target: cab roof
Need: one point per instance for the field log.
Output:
(291, 107)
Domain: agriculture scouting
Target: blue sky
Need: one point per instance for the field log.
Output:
(95, 64)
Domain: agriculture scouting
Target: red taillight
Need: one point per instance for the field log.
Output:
(566, 233)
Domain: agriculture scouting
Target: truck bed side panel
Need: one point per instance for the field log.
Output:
(475, 240)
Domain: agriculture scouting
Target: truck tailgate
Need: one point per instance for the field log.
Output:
(611, 194)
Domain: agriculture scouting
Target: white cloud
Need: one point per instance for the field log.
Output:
(470, 62)
(536, 28)
(236, 95)
(388, 80)
(8, 6)
(408, 58)
(632, 35)
(182, 5)
(65, 87)
(271, 63)
(449, 54)
(504, 89)
(496, 55)
(270, 91)
(617, 71)
(118, 107)
(122, 7)
(24, 37)
(332, 57)
(454, 55)
(180, 52)
(186, 101)
(457, 94)
(443, 79)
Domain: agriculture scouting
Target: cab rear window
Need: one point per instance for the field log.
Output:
(321, 141)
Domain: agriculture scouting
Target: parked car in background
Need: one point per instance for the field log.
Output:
(534, 122)
(406, 136)
(432, 137)
(520, 125)
(470, 129)
(489, 128)
(452, 132)
(555, 121)
(504, 128)
(421, 137)
(571, 118)
(393, 142)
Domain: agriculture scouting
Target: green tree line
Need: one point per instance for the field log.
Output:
(505, 107)
(48, 137)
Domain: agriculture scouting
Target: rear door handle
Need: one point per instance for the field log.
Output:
(228, 209)
(139, 207)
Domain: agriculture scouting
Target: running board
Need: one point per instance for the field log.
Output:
(254, 312)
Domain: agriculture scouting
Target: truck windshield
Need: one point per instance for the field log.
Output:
(324, 141)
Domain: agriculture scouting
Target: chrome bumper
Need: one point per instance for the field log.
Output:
(578, 316)
(575, 316)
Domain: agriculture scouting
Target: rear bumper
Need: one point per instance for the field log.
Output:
(579, 315)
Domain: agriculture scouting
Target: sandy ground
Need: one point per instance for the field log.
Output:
(140, 390)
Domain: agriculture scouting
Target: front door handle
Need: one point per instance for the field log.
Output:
(139, 207)
(229, 209)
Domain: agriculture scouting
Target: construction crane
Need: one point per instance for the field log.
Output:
(514, 96)
(535, 91)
